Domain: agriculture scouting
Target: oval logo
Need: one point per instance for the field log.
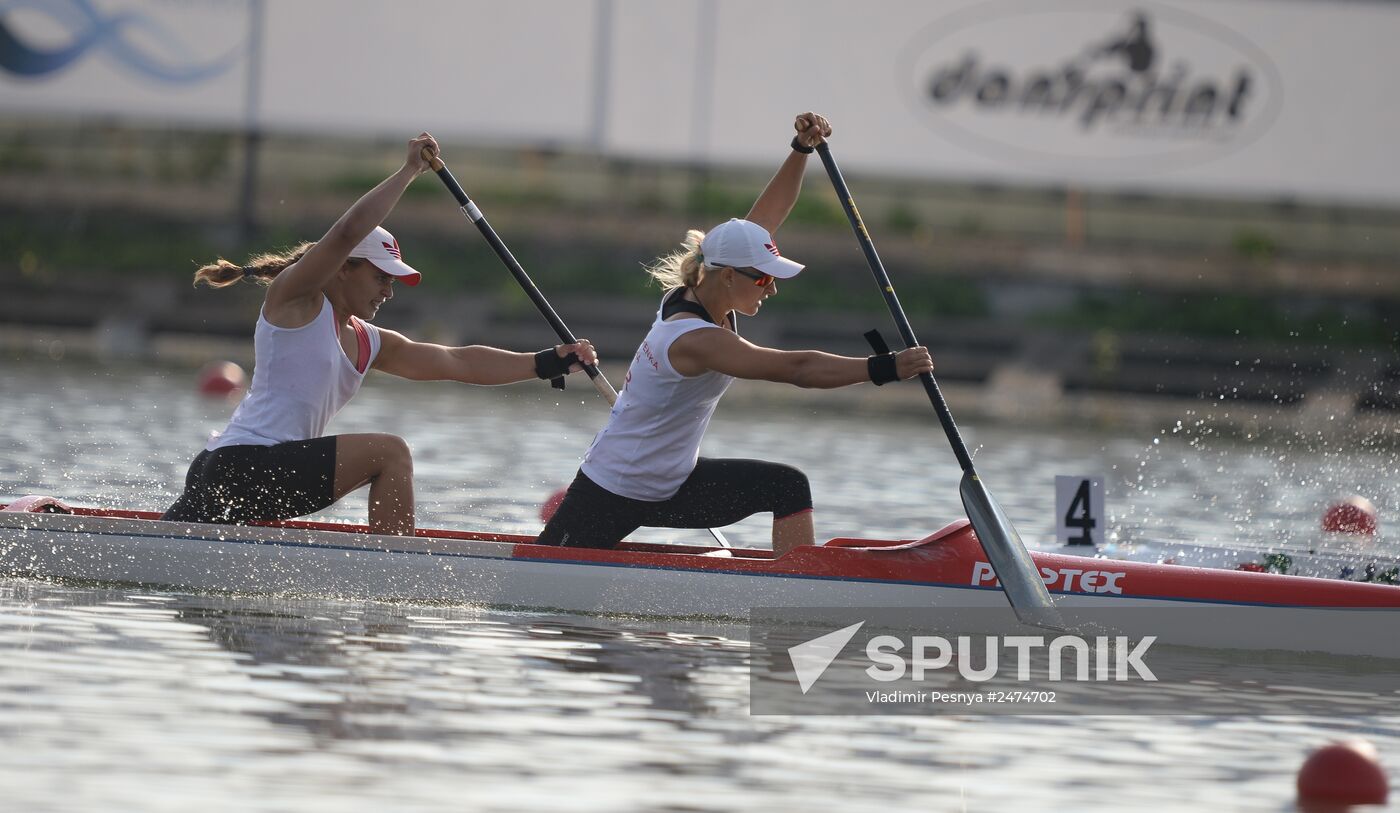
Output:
(1085, 86)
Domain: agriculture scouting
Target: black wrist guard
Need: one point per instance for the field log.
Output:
(882, 368)
(882, 365)
(802, 148)
(549, 365)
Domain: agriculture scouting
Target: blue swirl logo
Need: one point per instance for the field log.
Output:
(90, 30)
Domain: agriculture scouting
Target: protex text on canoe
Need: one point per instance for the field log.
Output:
(1066, 578)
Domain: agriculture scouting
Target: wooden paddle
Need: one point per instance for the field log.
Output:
(1007, 554)
(600, 382)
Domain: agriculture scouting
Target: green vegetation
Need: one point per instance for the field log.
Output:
(49, 248)
(208, 157)
(351, 185)
(926, 294)
(902, 219)
(169, 197)
(1256, 245)
(46, 249)
(971, 225)
(714, 201)
(20, 154)
(1219, 315)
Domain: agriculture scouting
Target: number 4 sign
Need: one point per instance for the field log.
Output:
(1079, 510)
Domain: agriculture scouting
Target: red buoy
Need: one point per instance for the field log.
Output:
(220, 379)
(551, 505)
(1354, 515)
(1343, 773)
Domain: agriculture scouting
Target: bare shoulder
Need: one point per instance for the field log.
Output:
(695, 352)
(390, 342)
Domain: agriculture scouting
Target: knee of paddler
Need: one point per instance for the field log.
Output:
(393, 455)
(789, 488)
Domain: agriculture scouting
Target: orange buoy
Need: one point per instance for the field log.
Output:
(1353, 515)
(552, 504)
(220, 379)
(1343, 773)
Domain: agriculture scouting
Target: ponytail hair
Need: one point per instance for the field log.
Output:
(221, 273)
(681, 268)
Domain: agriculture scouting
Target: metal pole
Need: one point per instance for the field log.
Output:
(252, 132)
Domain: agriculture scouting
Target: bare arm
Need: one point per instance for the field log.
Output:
(473, 364)
(722, 351)
(775, 204)
(298, 288)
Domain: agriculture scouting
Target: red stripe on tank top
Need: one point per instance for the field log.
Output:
(362, 335)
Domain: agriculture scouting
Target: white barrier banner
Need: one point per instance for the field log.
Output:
(1233, 97)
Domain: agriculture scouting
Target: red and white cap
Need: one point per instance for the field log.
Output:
(742, 244)
(382, 250)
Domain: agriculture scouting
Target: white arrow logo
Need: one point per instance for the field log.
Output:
(811, 658)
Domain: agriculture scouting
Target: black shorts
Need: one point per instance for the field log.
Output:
(235, 485)
(717, 493)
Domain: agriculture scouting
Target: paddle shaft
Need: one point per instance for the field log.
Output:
(1020, 579)
(882, 279)
(600, 382)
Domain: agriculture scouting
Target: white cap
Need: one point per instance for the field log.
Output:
(741, 244)
(382, 250)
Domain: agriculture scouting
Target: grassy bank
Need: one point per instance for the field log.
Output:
(102, 199)
(63, 247)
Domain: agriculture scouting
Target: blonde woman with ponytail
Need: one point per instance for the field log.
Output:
(313, 345)
(644, 468)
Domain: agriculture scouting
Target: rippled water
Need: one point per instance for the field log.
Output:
(131, 700)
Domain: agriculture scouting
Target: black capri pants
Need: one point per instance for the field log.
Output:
(717, 493)
(236, 485)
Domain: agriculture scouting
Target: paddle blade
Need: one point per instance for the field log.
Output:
(1013, 565)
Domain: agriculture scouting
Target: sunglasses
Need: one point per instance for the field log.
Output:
(759, 278)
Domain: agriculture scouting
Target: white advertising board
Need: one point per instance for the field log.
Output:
(1232, 97)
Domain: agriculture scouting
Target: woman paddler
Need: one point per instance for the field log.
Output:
(313, 346)
(644, 468)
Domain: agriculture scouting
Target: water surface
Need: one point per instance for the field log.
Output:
(120, 699)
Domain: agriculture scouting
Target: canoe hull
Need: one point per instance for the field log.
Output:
(944, 570)
(432, 570)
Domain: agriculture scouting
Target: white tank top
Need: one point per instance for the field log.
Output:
(652, 440)
(301, 378)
